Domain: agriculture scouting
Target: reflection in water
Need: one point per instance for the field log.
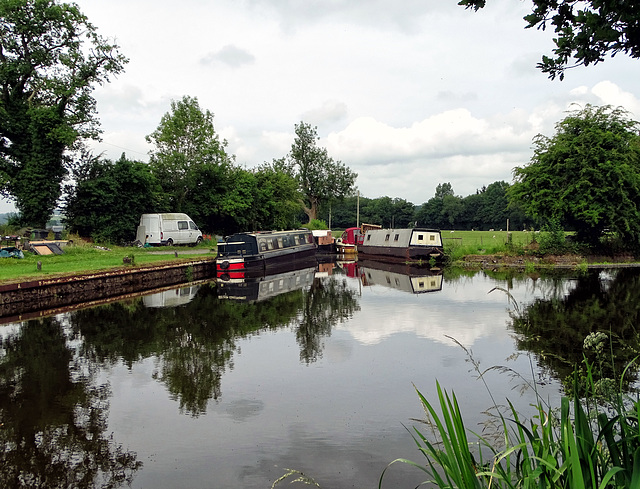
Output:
(171, 297)
(366, 346)
(400, 276)
(265, 287)
(194, 344)
(53, 415)
(555, 327)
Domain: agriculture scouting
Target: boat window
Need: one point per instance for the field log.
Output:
(420, 237)
(302, 239)
(263, 245)
(396, 238)
(183, 225)
(368, 237)
(280, 243)
(432, 237)
(387, 237)
(270, 244)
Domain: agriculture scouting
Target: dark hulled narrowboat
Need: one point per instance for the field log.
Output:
(245, 254)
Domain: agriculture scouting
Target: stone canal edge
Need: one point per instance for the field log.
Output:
(34, 298)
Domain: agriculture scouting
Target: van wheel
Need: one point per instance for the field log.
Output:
(198, 241)
(169, 242)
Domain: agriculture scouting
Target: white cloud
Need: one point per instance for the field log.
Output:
(408, 94)
(230, 55)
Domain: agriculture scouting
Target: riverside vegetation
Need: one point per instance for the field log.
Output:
(87, 257)
(83, 257)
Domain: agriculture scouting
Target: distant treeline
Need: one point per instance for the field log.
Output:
(488, 208)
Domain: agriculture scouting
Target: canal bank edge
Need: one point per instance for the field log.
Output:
(572, 262)
(47, 293)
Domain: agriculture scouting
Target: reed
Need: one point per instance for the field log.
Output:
(589, 443)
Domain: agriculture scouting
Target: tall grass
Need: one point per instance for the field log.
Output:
(589, 443)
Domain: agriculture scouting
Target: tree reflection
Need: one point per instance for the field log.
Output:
(53, 417)
(602, 309)
(327, 302)
(194, 344)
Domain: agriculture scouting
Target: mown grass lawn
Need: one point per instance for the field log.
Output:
(88, 258)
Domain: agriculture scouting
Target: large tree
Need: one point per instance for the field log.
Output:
(108, 198)
(587, 176)
(320, 178)
(51, 58)
(185, 142)
(586, 30)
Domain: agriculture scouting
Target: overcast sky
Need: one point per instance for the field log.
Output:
(408, 94)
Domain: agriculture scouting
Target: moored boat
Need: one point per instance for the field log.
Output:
(347, 244)
(245, 253)
(325, 242)
(417, 244)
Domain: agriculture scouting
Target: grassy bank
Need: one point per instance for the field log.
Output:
(83, 258)
(458, 244)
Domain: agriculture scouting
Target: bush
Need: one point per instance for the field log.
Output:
(316, 224)
(552, 239)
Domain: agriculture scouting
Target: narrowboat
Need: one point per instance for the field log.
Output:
(417, 244)
(255, 253)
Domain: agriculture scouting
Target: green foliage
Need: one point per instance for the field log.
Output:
(320, 178)
(581, 445)
(316, 224)
(108, 199)
(586, 177)
(185, 143)
(552, 239)
(584, 31)
(51, 59)
(198, 177)
(276, 199)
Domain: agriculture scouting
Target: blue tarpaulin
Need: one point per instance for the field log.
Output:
(11, 253)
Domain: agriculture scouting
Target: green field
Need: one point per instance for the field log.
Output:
(485, 238)
(88, 258)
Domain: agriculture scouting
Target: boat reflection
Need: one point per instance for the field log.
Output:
(260, 288)
(171, 297)
(404, 277)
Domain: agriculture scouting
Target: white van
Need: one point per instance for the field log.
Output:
(168, 229)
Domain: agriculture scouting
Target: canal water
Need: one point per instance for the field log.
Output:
(227, 385)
